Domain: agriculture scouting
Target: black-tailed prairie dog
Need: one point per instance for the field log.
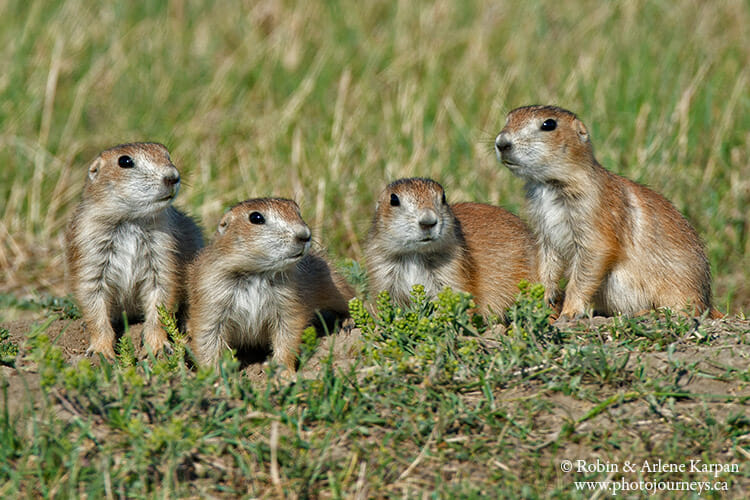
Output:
(418, 238)
(127, 246)
(258, 285)
(622, 247)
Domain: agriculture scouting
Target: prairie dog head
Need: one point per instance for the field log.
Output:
(412, 216)
(263, 235)
(132, 180)
(544, 144)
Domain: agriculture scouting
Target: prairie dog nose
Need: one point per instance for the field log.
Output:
(502, 143)
(302, 234)
(427, 219)
(171, 179)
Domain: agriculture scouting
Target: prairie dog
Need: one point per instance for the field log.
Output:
(418, 238)
(258, 284)
(622, 247)
(126, 246)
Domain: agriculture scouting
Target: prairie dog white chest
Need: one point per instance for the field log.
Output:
(414, 270)
(553, 218)
(256, 304)
(128, 257)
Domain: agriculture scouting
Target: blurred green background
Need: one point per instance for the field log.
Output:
(326, 102)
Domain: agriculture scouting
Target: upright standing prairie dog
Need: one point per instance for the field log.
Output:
(418, 238)
(623, 247)
(257, 284)
(126, 246)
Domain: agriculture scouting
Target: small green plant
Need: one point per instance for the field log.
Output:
(355, 274)
(126, 355)
(81, 377)
(179, 339)
(64, 306)
(430, 338)
(597, 364)
(11, 301)
(48, 356)
(8, 349)
(330, 396)
(530, 316)
(308, 344)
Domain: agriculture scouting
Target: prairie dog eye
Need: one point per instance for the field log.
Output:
(394, 200)
(125, 162)
(443, 199)
(257, 218)
(549, 125)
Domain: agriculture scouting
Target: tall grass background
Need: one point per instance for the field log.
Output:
(326, 102)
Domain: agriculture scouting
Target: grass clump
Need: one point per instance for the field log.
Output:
(445, 340)
(530, 316)
(179, 340)
(65, 306)
(8, 349)
(435, 339)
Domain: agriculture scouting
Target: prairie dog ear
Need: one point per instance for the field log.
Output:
(224, 223)
(583, 133)
(94, 168)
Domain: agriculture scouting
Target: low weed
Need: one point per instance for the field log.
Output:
(65, 306)
(436, 340)
(8, 349)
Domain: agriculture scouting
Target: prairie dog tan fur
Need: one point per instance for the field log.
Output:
(126, 245)
(418, 238)
(257, 284)
(622, 247)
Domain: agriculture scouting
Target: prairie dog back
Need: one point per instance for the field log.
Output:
(126, 246)
(258, 285)
(623, 247)
(502, 249)
(418, 238)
